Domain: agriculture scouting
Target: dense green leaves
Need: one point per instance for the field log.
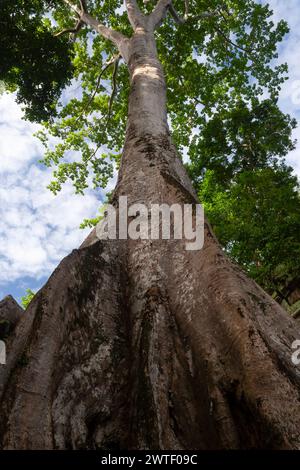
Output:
(241, 138)
(257, 220)
(211, 64)
(249, 194)
(33, 61)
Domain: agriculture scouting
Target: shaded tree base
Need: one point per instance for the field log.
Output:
(108, 358)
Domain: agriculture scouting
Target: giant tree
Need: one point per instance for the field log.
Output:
(141, 343)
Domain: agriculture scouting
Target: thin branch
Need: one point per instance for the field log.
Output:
(195, 98)
(91, 98)
(114, 87)
(73, 7)
(178, 19)
(74, 30)
(222, 14)
(114, 60)
(83, 5)
(224, 35)
(94, 152)
(117, 38)
(181, 20)
(186, 8)
(205, 14)
(135, 16)
(227, 39)
(188, 18)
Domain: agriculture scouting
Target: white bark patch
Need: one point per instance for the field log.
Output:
(148, 70)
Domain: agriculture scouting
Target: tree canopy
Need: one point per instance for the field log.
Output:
(241, 138)
(257, 219)
(33, 62)
(215, 55)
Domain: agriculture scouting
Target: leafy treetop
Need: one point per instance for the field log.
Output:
(215, 53)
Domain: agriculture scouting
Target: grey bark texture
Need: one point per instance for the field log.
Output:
(142, 344)
(10, 314)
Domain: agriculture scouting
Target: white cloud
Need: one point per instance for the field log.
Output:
(17, 146)
(37, 229)
(289, 52)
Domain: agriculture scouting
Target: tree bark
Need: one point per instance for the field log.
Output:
(143, 344)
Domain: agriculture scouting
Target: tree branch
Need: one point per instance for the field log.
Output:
(159, 13)
(227, 39)
(117, 38)
(73, 7)
(181, 20)
(108, 33)
(71, 30)
(83, 5)
(135, 16)
(208, 14)
(186, 6)
(91, 98)
(114, 87)
(178, 19)
(162, 7)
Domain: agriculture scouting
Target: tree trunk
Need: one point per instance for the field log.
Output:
(143, 344)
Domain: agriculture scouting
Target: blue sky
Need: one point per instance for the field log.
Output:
(38, 229)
